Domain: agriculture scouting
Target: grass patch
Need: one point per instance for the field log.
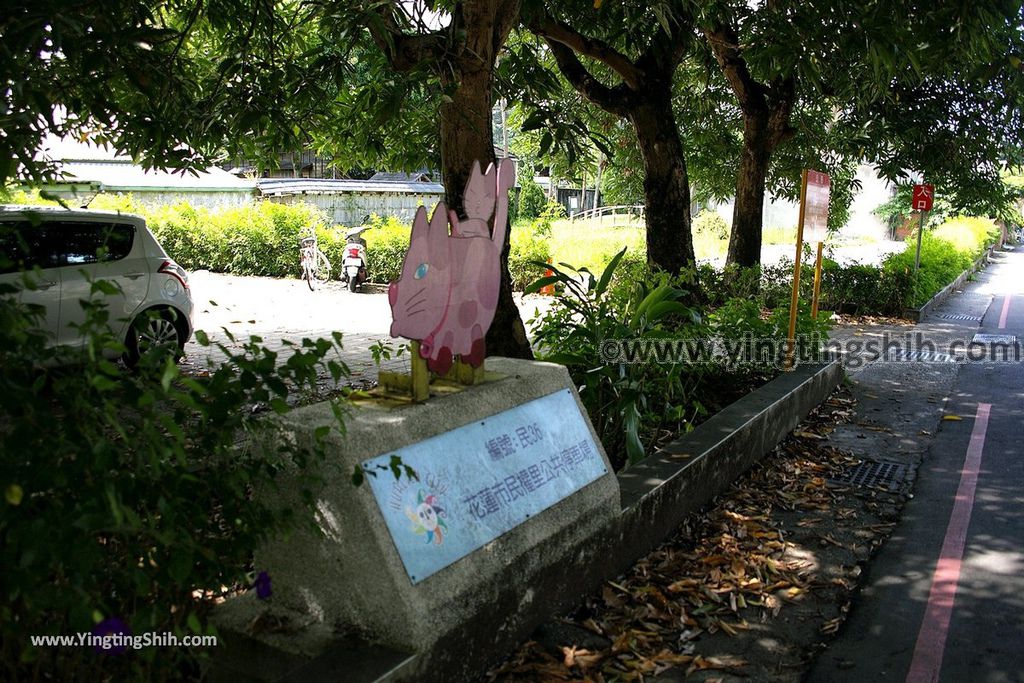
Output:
(592, 244)
(775, 234)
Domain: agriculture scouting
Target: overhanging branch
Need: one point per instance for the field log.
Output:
(404, 51)
(725, 45)
(559, 32)
(614, 100)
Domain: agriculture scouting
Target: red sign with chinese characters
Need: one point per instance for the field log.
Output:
(923, 197)
(816, 206)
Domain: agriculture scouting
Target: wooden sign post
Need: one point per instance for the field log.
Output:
(812, 227)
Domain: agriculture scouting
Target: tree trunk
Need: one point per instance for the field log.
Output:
(748, 211)
(466, 137)
(666, 185)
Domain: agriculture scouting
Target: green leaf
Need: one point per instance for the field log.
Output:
(534, 121)
(169, 373)
(656, 295)
(395, 465)
(13, 494)
(609, 270)
(634, 446)
(665, 308)
(545, 143)
(566, 358)
(540, 283)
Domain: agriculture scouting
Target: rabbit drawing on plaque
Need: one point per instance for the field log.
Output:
(448, 290)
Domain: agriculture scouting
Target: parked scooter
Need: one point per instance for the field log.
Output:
(353, 267)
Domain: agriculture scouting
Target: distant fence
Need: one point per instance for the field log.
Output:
(611, 215)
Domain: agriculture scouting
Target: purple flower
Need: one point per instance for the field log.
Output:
(107, 634)
(262, 586)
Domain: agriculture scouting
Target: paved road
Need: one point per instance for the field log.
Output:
(944, 600)
(280, 310)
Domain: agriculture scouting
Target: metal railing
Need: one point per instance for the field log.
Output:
(614, 213)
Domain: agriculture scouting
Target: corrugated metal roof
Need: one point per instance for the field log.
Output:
(417, 177)
(85, 163)
(294, 186)
(123, 176)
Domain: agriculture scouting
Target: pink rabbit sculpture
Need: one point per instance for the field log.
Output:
(448, 289)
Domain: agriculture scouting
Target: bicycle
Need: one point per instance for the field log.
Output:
(316, 269)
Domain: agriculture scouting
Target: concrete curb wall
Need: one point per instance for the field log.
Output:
(660, 492)
(919, 314)
(657, 496)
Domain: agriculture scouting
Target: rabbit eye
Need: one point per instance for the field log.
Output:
(421, 272)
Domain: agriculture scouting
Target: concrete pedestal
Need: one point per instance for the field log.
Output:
(352, 579)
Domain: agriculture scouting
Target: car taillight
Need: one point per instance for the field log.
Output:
(173, 269)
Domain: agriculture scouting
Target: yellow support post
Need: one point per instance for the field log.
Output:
(420, 375)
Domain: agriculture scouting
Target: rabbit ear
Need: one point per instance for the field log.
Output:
(506, 176)
(505, 180)
(438, 236)
(419, 224)
(478, 199)
(474, 176)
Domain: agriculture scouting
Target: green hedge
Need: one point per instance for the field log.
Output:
(262, 239)
(530, 241)
(946, 252)
(886, 289)
(387, 243)
(711, 223)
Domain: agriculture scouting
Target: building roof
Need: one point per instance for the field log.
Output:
(417, 177)
(122, 176)
(296, 186)
(82, 163)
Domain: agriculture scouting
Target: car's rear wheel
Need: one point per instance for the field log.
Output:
(154, 331)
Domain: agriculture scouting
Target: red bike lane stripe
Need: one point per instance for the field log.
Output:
(931, 639)
(1005, 313)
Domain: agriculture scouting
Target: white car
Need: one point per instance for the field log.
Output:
(73, 248)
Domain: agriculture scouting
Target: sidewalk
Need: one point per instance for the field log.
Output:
(944, 599)
(847, 556)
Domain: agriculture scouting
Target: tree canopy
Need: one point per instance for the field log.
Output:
(670, 94)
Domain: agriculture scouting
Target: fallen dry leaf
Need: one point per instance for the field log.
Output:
(731, 565)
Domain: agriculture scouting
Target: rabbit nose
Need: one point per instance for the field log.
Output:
(393, 293)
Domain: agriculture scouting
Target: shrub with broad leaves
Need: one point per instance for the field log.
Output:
(129, 499)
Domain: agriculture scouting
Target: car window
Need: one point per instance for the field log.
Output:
(83, 243)
(24, 246)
